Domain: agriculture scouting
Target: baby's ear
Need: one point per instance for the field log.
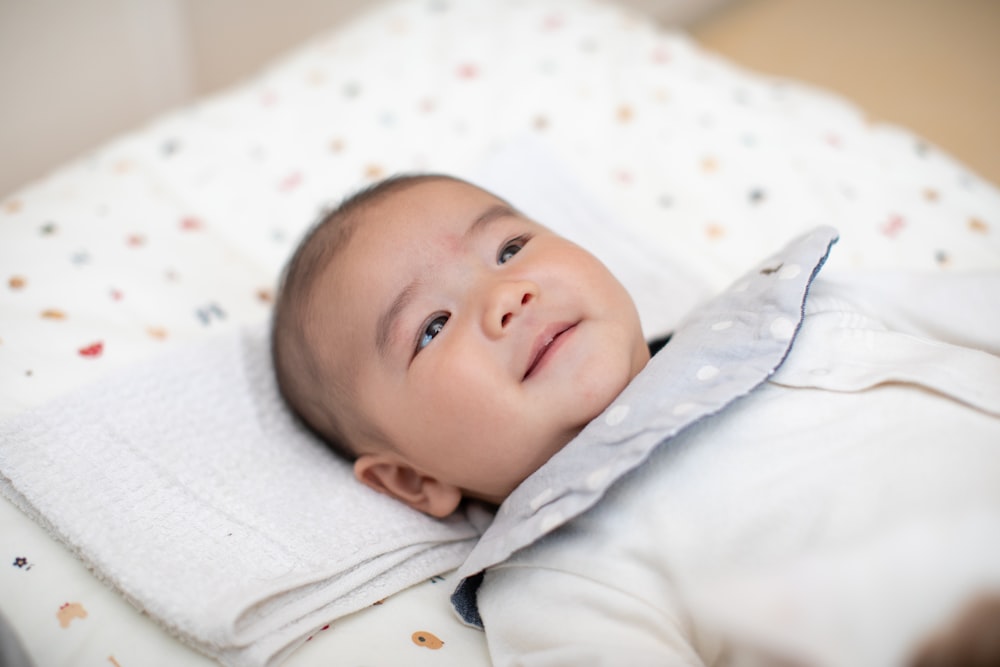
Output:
(387, 474)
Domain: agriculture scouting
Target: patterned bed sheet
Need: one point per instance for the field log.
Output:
(179, 229)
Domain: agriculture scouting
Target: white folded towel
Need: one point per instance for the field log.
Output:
(184, 483)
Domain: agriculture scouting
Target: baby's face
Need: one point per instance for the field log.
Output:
(479, 343)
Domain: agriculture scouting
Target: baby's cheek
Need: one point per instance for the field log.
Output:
(605, 377)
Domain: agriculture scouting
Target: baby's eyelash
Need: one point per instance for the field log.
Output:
(517, 244)
(429, 331)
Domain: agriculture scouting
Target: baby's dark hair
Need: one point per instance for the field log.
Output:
(318, 397)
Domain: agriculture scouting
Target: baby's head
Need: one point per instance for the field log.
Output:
(446, 343)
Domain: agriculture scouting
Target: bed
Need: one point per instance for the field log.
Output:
(176, 233)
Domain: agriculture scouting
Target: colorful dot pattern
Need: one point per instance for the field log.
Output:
(179, 228)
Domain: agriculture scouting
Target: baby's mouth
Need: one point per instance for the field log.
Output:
(545, 344)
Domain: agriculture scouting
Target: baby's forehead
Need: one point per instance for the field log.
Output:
(425, 209)
(377, 234)
(437, 204)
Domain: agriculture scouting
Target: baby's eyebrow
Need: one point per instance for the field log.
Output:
(488, 216)
(383, 329)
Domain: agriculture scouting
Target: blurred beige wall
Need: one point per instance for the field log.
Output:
(73, 73)
(77, 72)
(932, 66)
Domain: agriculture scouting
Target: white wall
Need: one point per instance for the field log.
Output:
(74, 73)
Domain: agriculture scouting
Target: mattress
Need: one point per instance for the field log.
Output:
(177, 231)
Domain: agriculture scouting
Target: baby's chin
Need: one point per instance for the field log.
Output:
(548, 449)
(560, 438)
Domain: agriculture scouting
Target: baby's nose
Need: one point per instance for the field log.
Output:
(507, 301)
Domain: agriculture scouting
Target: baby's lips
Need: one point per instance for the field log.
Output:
(542, 342)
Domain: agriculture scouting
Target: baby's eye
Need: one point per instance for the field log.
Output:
(431, 329)
(510, 249)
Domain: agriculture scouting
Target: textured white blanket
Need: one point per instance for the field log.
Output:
(184, 483)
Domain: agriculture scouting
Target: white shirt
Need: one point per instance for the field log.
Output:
(836, 515)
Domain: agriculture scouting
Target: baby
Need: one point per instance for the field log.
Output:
(447, 344)
(450, 347)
